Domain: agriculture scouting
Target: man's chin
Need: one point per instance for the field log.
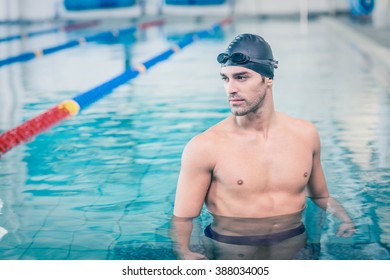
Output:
(238, 113)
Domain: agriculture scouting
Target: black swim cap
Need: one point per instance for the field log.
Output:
(252, 52)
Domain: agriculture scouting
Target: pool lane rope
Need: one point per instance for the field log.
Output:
(30, 128)
(78, 42)
(65, 28)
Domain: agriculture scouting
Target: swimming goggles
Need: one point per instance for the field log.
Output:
(241, 58)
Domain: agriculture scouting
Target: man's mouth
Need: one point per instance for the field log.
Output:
(235, 100)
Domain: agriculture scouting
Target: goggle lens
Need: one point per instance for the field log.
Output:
(239, 58)
(222, 58)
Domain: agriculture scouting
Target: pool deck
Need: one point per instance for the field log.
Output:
(380, 35)
(370, 39)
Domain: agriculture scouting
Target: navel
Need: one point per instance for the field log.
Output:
(240, 182)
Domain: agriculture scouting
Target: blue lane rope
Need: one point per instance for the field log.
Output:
(73, 43)
(47, 31)
(30, 34)
(87, 98)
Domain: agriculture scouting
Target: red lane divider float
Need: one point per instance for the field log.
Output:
(34, 126)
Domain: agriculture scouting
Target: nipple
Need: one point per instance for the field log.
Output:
(240, 182)
(306, 174)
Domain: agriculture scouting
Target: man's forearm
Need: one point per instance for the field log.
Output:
(180, 231)
(334, 207)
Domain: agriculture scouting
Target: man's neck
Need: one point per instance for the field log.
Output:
(260, 121)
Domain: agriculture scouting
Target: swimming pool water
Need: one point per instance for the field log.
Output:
(101, 185)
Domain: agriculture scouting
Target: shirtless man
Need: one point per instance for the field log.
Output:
(255, 164)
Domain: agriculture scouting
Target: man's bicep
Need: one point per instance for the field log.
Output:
(317, 186)
(317, 183)
(193, 183)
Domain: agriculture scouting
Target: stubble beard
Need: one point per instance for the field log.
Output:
(249, 108)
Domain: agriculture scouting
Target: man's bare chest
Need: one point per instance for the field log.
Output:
(272, 167)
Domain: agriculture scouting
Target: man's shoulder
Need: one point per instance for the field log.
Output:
(299, 125)
(209, 137)
(294, 121)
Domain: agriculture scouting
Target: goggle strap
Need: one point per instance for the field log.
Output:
(226, 57)
(273, 63)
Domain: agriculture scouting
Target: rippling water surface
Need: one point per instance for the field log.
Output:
(101, 185)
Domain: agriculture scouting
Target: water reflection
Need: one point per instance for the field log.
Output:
(3, 231)
(312, 233)
(128, 147)
(279, 237)
(231, 238)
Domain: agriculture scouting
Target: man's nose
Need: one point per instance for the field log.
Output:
(231, 87)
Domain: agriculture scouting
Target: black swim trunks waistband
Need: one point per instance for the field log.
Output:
(268, 239)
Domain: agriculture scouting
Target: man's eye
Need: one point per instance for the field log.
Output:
(241, 77)
(223, 78)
